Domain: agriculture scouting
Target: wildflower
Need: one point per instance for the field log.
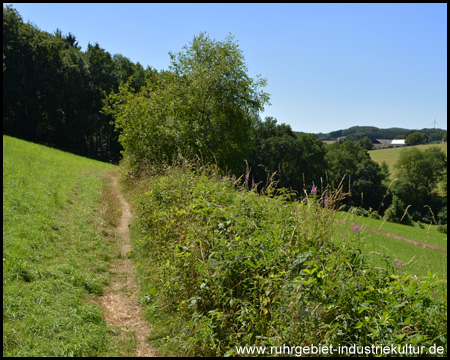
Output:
(246, 176)
(313, 190)
(342, 235)
(253, 185)
(355, 228)
(434, 293)
(398, 265)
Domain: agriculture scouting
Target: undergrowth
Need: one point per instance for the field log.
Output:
(222, 266)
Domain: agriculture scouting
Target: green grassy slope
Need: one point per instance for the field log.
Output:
(414, 259)
(54, 255)
(391, 156)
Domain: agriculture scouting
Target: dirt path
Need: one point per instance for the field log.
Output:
(120, 297)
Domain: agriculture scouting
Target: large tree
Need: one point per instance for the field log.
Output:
(420, 173)
(298, 160)
(416, 138)
(361, 176)
(203, 106)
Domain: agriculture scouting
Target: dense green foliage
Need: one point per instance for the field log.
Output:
(420, 174)
(203, 107)
(52, 91)
(54, 253)
(416, 138)
(241, 269)
(366, 143)
(298, 161)
(362, 177)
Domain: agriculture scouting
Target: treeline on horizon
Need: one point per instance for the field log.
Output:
(356, 133)
(101, 106)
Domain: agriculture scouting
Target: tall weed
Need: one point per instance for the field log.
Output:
(242, 269)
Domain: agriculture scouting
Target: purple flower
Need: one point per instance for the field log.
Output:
(313, 190)
(253, 185)
(434, 293)
(246, 176)
(398, 265)
(355, 228)
(342, 235)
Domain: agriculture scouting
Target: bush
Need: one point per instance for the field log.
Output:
(358, 211)
(397, 212)
(374, 215)
(442, 228)
(442, 216)
(242, 269)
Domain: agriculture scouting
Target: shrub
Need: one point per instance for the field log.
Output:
(242, 269)
(398, 212)
(442, 228)
(374, 215)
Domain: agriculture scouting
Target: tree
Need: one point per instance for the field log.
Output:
(203, 106)
(419, 174)
(397, 212)
(297, 160)
(423, 169)
(366, 143)
(221, 99)
(275, 150)
(53, 92)
(416, 138)
(362, 176)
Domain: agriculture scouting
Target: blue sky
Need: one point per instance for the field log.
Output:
(328, 66)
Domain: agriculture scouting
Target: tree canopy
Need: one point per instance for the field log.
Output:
(203, 106)
(420, 173)
(53, 91)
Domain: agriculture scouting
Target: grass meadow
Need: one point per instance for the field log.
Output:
(407, 258)
(391, 156)
(56, 253)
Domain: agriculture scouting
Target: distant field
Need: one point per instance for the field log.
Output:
(391, 156)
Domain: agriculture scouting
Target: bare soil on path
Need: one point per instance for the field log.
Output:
(120, 299)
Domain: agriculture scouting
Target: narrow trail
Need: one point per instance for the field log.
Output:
(120, 297)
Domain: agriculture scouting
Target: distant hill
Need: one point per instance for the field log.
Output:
(372, 132)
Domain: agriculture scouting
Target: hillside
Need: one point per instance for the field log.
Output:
(391, 156)
(372, 132)
(58, 241)
(223, 267)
